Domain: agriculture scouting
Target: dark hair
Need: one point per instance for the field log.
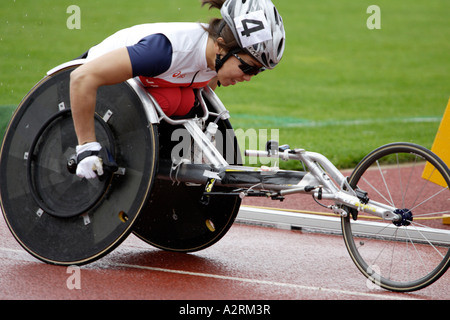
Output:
(213, 3)
(219, 28)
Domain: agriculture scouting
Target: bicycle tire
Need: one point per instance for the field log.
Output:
(413, 253)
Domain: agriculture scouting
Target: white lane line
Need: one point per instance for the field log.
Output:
(286, 122)
(21, 255)
(16, 254)
(265, 282)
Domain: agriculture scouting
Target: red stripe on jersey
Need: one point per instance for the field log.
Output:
(160, 83)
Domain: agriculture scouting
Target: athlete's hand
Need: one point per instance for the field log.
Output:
(89, 165)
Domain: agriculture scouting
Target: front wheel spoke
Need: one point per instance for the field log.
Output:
(429, 198)
(385, 184)
(425, 238)
(376, 190)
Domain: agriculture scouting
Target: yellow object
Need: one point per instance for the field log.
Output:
(446, 219)
(210, 225)
(441, 147)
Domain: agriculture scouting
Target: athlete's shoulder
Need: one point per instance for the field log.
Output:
(167, 27)
(186, 36)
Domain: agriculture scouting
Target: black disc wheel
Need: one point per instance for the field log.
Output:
(175, 219)
(55, 215)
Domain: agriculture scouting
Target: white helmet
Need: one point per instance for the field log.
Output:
(258, 28)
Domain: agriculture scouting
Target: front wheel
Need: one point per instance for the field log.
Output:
(411, 253)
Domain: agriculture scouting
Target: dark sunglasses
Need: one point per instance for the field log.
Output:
(248, 69)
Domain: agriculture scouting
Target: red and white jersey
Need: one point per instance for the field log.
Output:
(187, 67)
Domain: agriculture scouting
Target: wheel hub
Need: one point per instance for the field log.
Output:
(405, 219)
(51, 182)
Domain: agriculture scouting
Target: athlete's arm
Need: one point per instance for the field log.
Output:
(149, 57)
(112, 68)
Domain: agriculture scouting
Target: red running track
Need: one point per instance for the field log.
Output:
(250, 262)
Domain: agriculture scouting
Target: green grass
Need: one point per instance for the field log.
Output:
(335, 69)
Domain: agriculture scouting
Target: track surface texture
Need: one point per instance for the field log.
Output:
(251, 262)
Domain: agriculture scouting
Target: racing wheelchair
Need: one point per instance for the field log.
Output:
(390, 207)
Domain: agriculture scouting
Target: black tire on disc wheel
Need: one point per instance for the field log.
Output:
(56, 216)
(174, 219)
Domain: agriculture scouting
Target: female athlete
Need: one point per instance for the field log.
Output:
(172, 59)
